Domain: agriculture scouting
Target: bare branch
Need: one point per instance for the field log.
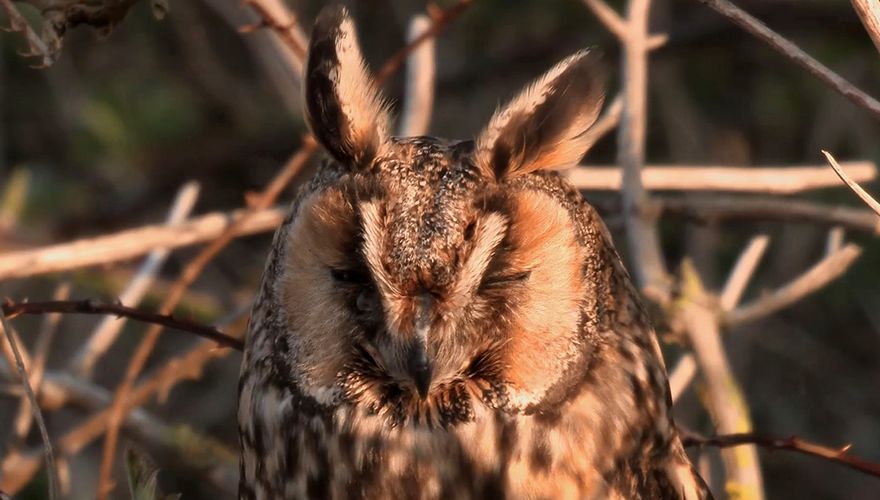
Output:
(825, 271)
(136, 242)
(107, 331)
(724, 396)
(92, 306)
(418, 101)
(38, 367)
(441, 18)
(837, 455)
(742, 272)
(794, 53)
(189, 274)
(758, 179)
(36, 46)
(715, 208)
(609, 18)
(49, 456)
(867, 198)
(869, 13)
(644, 242)
(278, 17)
(682, 376)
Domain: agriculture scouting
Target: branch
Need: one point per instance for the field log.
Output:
(131, 243)
(441, 18)
(861, 193)
(93, 306)
(815, 278)
(793, 443)
(276, 16)
(418, 98)
(716, 208)
(869, 13)
(48, 454)
(609, 18)
(641, 230)
(758, 179)
(36, 46)
(107, 331)
(794, 53)
(742, 272)
(725, 399)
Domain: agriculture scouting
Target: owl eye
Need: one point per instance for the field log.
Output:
(501, 279)
(350, 276)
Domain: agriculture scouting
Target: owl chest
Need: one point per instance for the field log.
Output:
(349, 453)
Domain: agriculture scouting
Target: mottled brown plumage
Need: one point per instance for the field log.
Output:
(450, 319)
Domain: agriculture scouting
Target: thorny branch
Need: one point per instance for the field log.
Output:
(837, 455)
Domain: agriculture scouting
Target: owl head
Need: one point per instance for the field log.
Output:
(418, 277)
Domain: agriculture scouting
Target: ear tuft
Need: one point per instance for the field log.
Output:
(343, 105)
(545, 126)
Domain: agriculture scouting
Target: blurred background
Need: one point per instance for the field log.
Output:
(102, 140)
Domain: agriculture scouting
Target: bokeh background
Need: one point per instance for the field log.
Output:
(102, 140)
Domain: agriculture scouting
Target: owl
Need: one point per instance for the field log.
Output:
(450, 319)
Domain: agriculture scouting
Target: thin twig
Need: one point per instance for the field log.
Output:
(36, 46)
(794, 53)
(187, 277)
(418, 100)
(41, 352)
(441, 18)
(869, 13)
(48, 454)
(686, 368)
(717, 208)
(283, 22)
(92, 306)
(724, 397)
(742, 272)
(108, 329)
(612, 21)
(813, 279)
(837, 455)
(867, 198)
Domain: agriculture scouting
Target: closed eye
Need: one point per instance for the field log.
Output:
(350, 276)
(499, 280)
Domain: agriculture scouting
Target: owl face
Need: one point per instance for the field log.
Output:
(419, 273)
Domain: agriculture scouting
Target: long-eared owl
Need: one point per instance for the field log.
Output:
(449, 319)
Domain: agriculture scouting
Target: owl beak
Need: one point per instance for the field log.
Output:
(419, 367)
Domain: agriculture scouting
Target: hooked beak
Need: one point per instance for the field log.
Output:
(419, 364)
(419, 367)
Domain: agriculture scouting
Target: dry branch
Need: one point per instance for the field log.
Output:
(418, 100)
(441, 18)
(276, 16)
(837, 455)
(815, 278)
(861, 193)
(92, 306)
(128, 244)
(641, 230)
(869, 13)
(770, 180)
(189, 274)
(794, 53)
(108, 329)
(724, 397)
(49, 455)
(715, 208)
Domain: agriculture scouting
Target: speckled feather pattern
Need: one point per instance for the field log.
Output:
(546, 377)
